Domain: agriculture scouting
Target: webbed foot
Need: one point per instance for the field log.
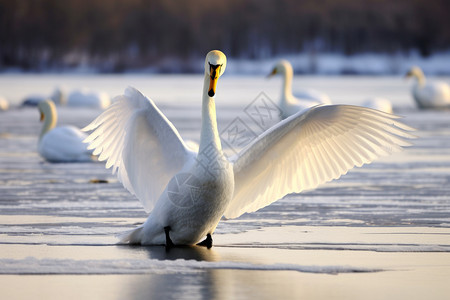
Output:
(169, 243)
(207, 242)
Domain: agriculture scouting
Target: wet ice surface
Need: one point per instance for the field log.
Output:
(384, 225)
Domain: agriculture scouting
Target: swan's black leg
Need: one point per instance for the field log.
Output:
(207, 242)
(169, 243)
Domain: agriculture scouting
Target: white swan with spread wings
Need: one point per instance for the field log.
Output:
(187, 193)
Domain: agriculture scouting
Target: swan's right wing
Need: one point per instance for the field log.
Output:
(141, 145)
(308, 149)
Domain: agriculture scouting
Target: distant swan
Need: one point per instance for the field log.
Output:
(378, 103)
(429, 95)
(187, 193)
(87, 98)
(58, 96)
(307, 98)
(60, 144)
(76, 98)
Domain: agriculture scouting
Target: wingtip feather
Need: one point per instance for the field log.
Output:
(89, 127)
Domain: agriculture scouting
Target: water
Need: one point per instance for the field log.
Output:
(384, 226)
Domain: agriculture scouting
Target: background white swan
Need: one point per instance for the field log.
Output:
(428, 94)
(379, 103)
(88, 98)
(58, 96)
(76, 98)
(187, 193)
(60, 144)
(290, 104)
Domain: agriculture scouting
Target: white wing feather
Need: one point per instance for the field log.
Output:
(308, 149)
(141, 145)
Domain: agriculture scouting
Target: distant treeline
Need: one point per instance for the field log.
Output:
(114, 35)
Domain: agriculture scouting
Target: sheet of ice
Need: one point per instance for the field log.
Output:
(380, 239)
(56, 266)
(392, 215)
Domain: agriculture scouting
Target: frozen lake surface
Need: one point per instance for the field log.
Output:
(383, 229)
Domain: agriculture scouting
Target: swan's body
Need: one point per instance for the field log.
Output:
(188, 193)
(60, 144)
(429, 94)
(290, 104)
(378, 103)
(86, 98)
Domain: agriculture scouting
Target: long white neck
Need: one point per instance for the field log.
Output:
(209, 137)
(420, 78)
(50, 119)
(286, 91)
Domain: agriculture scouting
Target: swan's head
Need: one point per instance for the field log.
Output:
(215, 64)
(414, 72)
(46, 109)
(282, 67)
(59, 96)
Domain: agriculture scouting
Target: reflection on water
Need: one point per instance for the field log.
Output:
(175, 286)
(203, 284)
(217, 284)
(209, 283)
(199, 285)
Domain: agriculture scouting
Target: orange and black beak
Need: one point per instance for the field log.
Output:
(214, 71)
(42, 117)
(274, 71)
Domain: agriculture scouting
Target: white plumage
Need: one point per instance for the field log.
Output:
(87, 98)
(429, 95)
(187, 193)
(306, 98)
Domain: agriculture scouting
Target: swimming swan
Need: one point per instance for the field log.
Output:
(428, 95)
(58, 96)
(289, 104)
(88, 98)
(60, 144)
(187, 193)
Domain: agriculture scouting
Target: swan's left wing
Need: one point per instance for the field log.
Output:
(141, 145)
(308, 149)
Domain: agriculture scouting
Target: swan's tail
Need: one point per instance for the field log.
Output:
(131, 237)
